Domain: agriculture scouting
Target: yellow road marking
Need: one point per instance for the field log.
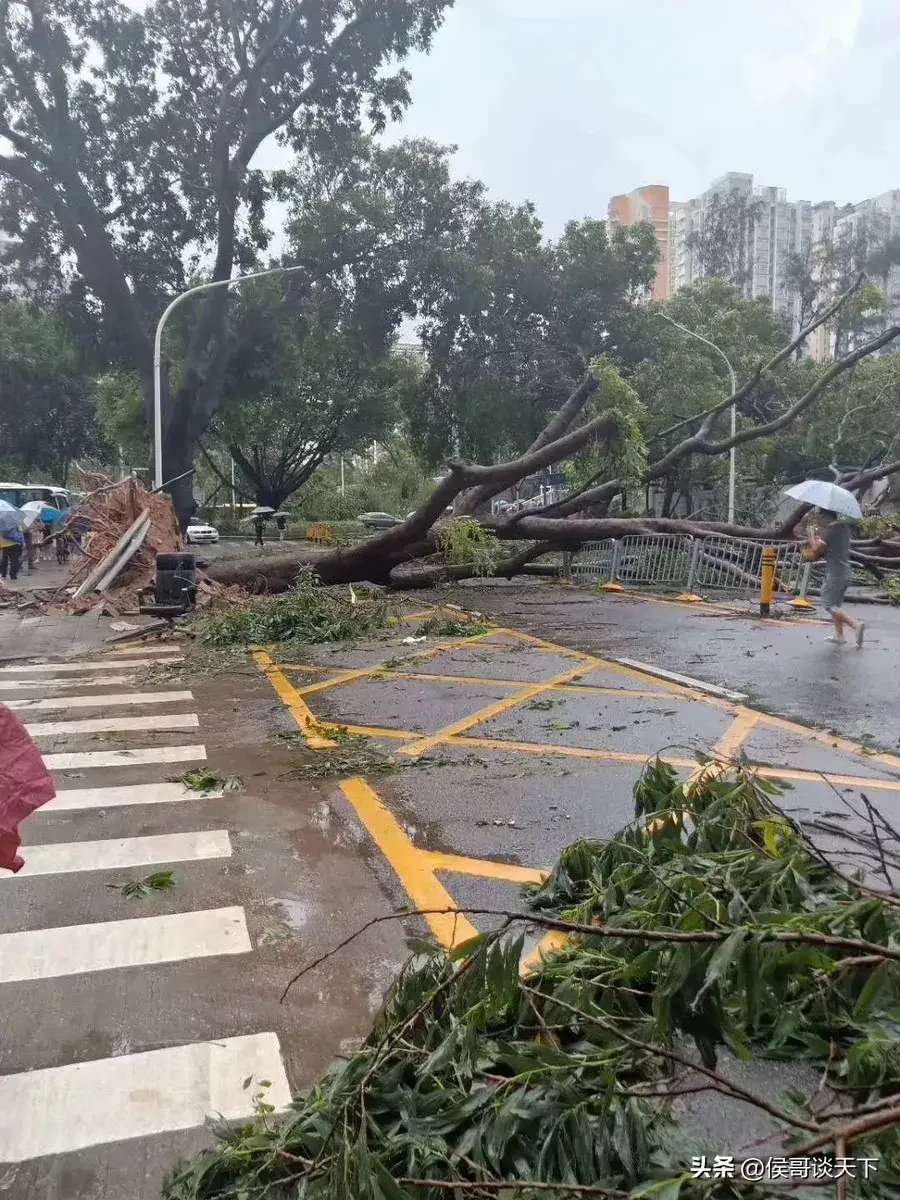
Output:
(855, 781)
(484, 867)
(572, 688)
(484, 714)
(707, 606)
(294, 703)
(483, 681)
(566, 751)
(831, 740)
(403, 735)
(554, 940)
(413, 868)
(545, 645)
(350, 676)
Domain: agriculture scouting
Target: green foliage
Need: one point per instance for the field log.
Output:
(463, 540)
(853, 423)
(121, 416)
(354, 754)
(46, 418)
(134, 131)
(140, 889)
(511, 323)
(307, 614)
(446, 626)
(625, 458)
(472, 1072)
(312, 373)
(892, 590)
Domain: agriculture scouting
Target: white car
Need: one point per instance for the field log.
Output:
(196, 535)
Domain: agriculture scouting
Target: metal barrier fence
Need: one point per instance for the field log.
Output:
(593, 562)
(690, 564)
(735, 565)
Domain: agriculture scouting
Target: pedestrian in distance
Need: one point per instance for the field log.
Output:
(258, 526)
(831, 541)
(12, 543)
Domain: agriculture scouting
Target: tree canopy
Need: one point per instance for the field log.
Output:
(46, 417)
(131, 138)
(513, 322)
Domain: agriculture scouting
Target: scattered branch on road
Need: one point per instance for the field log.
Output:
(709, 923)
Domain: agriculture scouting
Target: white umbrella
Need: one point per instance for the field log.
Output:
(828, 496)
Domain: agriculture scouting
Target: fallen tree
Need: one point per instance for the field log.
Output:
(584, 515)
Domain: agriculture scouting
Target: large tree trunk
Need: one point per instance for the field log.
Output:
(387, 557)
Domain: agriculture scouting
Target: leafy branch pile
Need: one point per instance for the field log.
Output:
(307, 614)
(721, 926)
(463, 540)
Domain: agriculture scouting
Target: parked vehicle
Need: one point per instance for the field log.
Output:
(196, 535)
(378, 520)
(18, 494)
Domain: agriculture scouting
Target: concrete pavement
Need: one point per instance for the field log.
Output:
(784, 665)
(510, 747)
(132, 1025)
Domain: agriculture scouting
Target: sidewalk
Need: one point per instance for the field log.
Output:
(35, 632)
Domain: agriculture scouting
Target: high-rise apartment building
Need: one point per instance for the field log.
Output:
(870, 223)
(773, 232)
(775, 229)
(650, 203)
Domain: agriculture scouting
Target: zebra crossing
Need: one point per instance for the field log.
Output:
(65, 1101)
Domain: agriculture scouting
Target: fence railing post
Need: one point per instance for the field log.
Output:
(612, 584)
(690, 593)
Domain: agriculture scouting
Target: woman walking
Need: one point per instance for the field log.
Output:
(832, 542)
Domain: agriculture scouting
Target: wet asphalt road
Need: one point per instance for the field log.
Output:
(507, 752)
(785, 667)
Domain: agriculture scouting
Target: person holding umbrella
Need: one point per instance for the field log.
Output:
(12, 540)
(831, 541)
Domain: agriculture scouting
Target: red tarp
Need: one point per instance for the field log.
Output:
(25, 784)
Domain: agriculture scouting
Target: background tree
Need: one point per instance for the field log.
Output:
(681, 377)
(137, 168)
(46, 416)
(512, 322)
(298, 390)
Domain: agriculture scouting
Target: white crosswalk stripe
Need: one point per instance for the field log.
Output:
(60, 858)
(50, 686)
(139, 647)
(39, 729)
(104, 700)
(84, 799)
(86, 1106)
(60, 1109)
(135, 942)
(78, 760)
(69, 668)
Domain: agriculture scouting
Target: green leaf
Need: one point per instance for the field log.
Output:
(882, 980)
(660, 1189)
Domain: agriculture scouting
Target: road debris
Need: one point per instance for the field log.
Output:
(711, 924)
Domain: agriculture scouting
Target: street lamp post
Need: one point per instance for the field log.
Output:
(157, 355)
(733, 380)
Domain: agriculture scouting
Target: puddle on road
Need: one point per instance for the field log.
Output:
(295, 910)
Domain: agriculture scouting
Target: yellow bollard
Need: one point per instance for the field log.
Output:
(767, 585)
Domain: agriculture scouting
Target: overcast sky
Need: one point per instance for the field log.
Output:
(567, 102)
